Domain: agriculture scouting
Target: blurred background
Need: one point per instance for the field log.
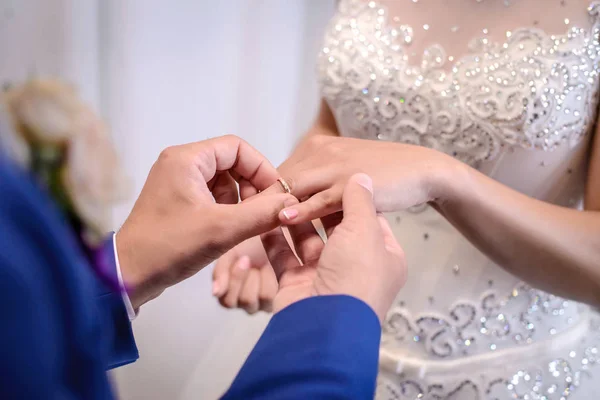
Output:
(164, 73)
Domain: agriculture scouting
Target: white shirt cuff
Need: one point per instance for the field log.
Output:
(128, 306)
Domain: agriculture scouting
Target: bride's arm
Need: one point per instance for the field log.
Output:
(592, 193)
(552, 247)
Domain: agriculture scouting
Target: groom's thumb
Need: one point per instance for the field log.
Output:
(252, 217)
(357, 201)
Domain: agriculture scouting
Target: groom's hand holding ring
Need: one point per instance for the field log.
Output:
(188, 213)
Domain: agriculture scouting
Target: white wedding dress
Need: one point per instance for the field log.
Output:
(518, 102)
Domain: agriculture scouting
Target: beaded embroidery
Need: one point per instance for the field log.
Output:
(534, 91)
(498, 321)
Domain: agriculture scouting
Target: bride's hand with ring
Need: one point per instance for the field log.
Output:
(403, 176)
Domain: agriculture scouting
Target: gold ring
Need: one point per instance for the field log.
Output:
(284, 185)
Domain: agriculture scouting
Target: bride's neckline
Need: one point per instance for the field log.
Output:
(398, 36)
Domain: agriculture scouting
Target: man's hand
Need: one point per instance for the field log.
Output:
(361, 257)
(188, 214)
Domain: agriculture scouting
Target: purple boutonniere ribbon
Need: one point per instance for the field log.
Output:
(102, 260)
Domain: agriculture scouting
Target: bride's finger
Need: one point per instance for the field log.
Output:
(307, 242)
(248, 299)
(268, 288)
(279, 253)
(248, 191)
(238, 275)
(278, 187)
(305, 182)
(317, 206)
(221, 273)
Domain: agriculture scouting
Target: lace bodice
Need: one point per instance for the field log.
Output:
(519, 107)
(531, 90)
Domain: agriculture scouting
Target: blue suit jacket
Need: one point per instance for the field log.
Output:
(62, 328)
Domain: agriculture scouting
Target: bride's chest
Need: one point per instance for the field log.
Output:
(529, 91)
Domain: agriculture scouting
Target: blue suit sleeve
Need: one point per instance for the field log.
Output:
(122, 347)
(324, 347)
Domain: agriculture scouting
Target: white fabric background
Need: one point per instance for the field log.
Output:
(165, 73)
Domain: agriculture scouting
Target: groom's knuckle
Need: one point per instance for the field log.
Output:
(175, 158)
(168, 154)
(231, 140)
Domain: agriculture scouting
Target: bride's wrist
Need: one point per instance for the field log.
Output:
(446, 179)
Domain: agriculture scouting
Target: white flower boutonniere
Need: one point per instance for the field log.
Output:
(47, 129)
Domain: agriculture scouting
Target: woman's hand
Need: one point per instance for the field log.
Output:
(318, 171)
(243, 278)
(403, 175)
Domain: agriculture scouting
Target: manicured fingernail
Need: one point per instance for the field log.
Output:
(365, 181)
(290, 213)
(244, 263)
(215, 289)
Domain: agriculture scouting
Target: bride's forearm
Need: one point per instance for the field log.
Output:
(551, 247)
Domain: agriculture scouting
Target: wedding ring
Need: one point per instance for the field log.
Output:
(284, 185)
